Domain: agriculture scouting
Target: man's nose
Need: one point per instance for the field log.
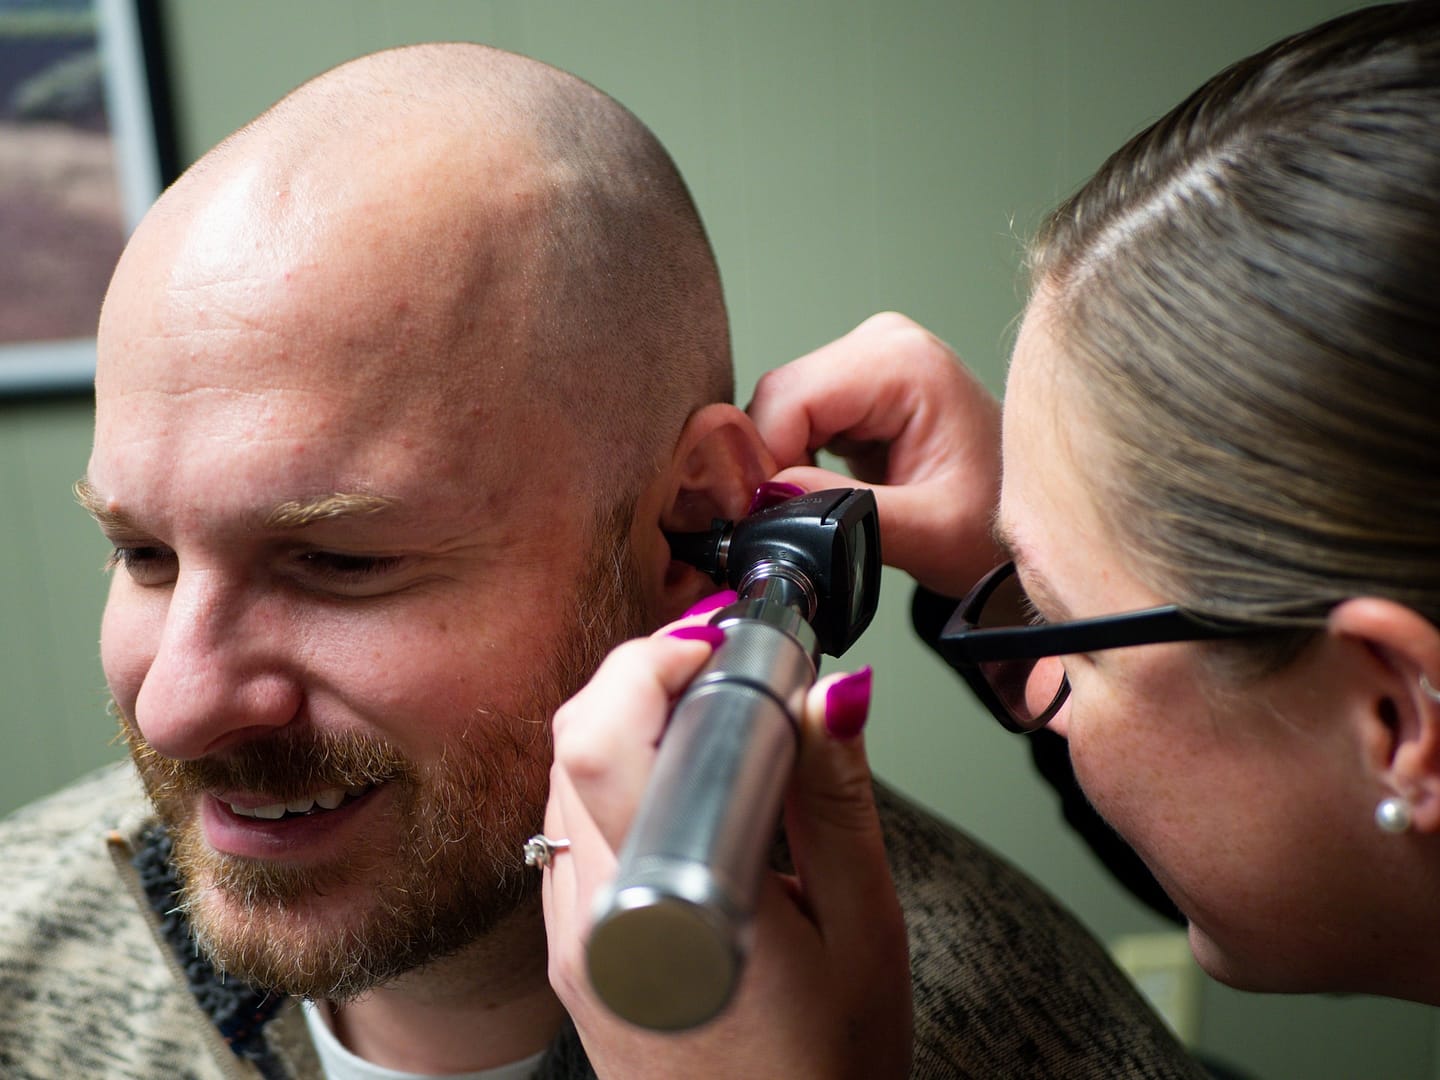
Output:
(220, 673)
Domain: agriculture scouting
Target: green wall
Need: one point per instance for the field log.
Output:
(848, 156)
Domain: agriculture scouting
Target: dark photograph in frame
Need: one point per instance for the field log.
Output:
(85, 147)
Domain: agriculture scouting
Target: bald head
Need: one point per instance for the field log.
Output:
(463, 224)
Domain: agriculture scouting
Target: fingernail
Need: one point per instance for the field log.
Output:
(711, 635)
(772, 493)
(714, 602)
(847, 704)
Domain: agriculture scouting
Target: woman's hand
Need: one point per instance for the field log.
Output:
(826, 989)
(911, 422)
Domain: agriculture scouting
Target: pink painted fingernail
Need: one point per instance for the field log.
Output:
(772, 493)
(714, 602)
(847, 704)
(711, 635)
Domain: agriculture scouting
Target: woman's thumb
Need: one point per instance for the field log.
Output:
(834, 828)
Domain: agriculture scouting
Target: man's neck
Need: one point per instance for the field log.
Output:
(486, 1006)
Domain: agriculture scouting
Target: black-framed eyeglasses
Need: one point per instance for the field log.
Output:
(1012, 663)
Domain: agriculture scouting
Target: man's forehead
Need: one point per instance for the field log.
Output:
(280, 296)
(238, 219)
(285, 438)
(240, 311)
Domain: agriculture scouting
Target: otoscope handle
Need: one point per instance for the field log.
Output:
(671, 933)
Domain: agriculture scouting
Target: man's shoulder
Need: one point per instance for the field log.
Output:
(64, 896)
(1006, 981)
(930, 856)
(63, 834)
(112, 790)
(86, 989)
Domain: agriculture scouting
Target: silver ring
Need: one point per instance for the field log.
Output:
(540, 849)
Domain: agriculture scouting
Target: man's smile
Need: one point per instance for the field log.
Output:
(256, 826)
(327, 799)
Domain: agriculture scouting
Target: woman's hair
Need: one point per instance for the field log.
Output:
(1249, 291)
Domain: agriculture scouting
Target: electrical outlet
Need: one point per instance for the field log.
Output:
(1161, 967)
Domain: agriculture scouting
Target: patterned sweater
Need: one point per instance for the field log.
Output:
(98, 982)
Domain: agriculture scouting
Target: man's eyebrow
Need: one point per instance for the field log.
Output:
(96, 507)
(1037, 587)
(295, 514)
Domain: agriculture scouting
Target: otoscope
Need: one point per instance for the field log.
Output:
(672, 932)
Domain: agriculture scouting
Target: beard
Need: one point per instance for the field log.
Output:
(439, 872)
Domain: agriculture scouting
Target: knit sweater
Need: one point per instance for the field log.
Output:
(99, 978)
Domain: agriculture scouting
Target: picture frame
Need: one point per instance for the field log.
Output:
(86, 145)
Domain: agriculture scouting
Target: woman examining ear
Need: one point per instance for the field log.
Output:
(1219, 519)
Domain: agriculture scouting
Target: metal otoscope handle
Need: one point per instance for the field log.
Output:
(672, 931)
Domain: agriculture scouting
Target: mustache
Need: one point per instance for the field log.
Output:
(290, 764)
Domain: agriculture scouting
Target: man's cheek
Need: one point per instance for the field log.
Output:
(125, 654)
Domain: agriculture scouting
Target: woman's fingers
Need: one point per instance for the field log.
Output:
(826, 987)
(605, 742)
(606, 735)
(861, 388)
(913, 424)
(835, 834)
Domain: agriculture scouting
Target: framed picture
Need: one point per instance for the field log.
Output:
(85, 147)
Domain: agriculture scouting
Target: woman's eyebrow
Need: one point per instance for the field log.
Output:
(1037, 586)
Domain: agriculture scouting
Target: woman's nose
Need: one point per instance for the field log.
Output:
(1060, 722)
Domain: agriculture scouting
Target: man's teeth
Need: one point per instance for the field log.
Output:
(329, 799)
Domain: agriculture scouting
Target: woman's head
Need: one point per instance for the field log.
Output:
(1247, 292)
(1225, 395)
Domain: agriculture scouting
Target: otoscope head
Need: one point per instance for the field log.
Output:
(832, 540)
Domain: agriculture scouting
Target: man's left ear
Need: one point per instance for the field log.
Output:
(718, 463)
(1402, 719)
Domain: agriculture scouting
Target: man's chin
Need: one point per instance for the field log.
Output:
(338, 929)
(284, 936)
(293, 898)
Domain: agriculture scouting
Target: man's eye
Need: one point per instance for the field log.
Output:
(146, 564)
(333, 565)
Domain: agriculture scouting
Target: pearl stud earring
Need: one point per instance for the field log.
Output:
(1393, 815)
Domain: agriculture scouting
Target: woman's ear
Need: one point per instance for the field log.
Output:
(1401, 719)
(718, 462)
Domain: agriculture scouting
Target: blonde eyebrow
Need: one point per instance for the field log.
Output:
(295, 514)
(1001, 536)
(1037, 587)
(89, 499)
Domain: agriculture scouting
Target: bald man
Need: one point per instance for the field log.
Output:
(397, 390)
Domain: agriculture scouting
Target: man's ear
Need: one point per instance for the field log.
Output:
(1400, 719)
(719, 461)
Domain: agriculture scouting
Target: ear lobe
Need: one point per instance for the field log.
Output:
(1403, 730)
(1416, 764)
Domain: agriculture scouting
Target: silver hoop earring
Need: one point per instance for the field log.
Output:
(1393, 815)
(1428, 690)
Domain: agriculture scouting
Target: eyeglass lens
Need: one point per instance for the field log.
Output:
(1028, 688)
